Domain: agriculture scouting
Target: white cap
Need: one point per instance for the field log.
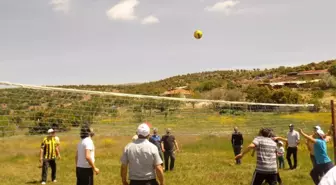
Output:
(320, 132)
(280, 142)
(143, 130)
(317, 127)
(50, 131)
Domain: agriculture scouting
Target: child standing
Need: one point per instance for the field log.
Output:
(280, 155)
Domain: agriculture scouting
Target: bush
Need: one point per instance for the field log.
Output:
(317, 94)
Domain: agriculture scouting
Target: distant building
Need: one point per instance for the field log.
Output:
(177, 93)
(313, 72)
(290, 84)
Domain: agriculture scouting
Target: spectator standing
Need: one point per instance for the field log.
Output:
(169, 145)
(280, 154)
(48, 153)
(237, 142)
(293, 140)
(156, 140)
(142, 159)
(85, 158)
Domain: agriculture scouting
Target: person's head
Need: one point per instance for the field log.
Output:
(86, 131)
(143, 131)
(319, 134)
(155, 131)
(51, 132)
(280, 143)
(291, 127)
(168, 130)
(266, 132)
(235, 129)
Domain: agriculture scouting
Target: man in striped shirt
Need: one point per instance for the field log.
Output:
(266, 168)
(48, 153)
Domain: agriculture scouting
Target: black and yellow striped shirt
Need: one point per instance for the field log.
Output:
(49, 147)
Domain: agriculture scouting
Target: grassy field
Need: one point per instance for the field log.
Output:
(206, 155)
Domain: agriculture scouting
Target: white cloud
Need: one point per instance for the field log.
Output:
(124, 10)
(60, 5)
(150, 20)
(225, 6)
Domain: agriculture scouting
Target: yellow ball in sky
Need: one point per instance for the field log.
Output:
(198, 34)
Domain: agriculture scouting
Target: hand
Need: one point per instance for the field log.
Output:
(177, 150)
(163, 150)
(125, 183)
(96, 171)
(239, 156)
(301, 131)
(59, 157)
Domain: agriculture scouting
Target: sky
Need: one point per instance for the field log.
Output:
(54, 42)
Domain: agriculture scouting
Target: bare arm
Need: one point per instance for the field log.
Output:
(41, 155)
(280, 138)
(307, 136)
(76, 158)
(176, 145)
(89, 160)
(162, 147)
(123, 174)
(159, 173)
(245, 151)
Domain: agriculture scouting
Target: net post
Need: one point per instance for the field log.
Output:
(333, 125)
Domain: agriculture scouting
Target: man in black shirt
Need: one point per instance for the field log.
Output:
(169, 145)
(237, 143)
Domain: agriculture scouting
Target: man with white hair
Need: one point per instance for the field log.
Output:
(142, 159)
(323, 162)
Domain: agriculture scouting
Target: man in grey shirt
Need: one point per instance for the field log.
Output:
(143, 160)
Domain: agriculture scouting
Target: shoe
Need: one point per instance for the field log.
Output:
(54, 180)
(43, 182)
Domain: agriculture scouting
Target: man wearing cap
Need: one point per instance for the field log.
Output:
(142, 159)
(237, 142)
(310, 146)
(156, 140)
(323, 162)
(168, 145)
(48, 153)
(293, 140)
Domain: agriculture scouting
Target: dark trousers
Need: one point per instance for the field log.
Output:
(259, 178)
(45, 165)
(144, 182)
(279, 178)
(84, 176)
(237, 150)
(169, 155)
(319, 170)
(312, 158)
(292, 151)
(281, 162)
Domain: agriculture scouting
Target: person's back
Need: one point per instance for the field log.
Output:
(140, 158)
(329, 178)
(320, 152)
(82, 146)
(266, 155)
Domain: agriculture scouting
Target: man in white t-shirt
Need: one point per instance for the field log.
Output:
(293, 140)
(85, 158)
